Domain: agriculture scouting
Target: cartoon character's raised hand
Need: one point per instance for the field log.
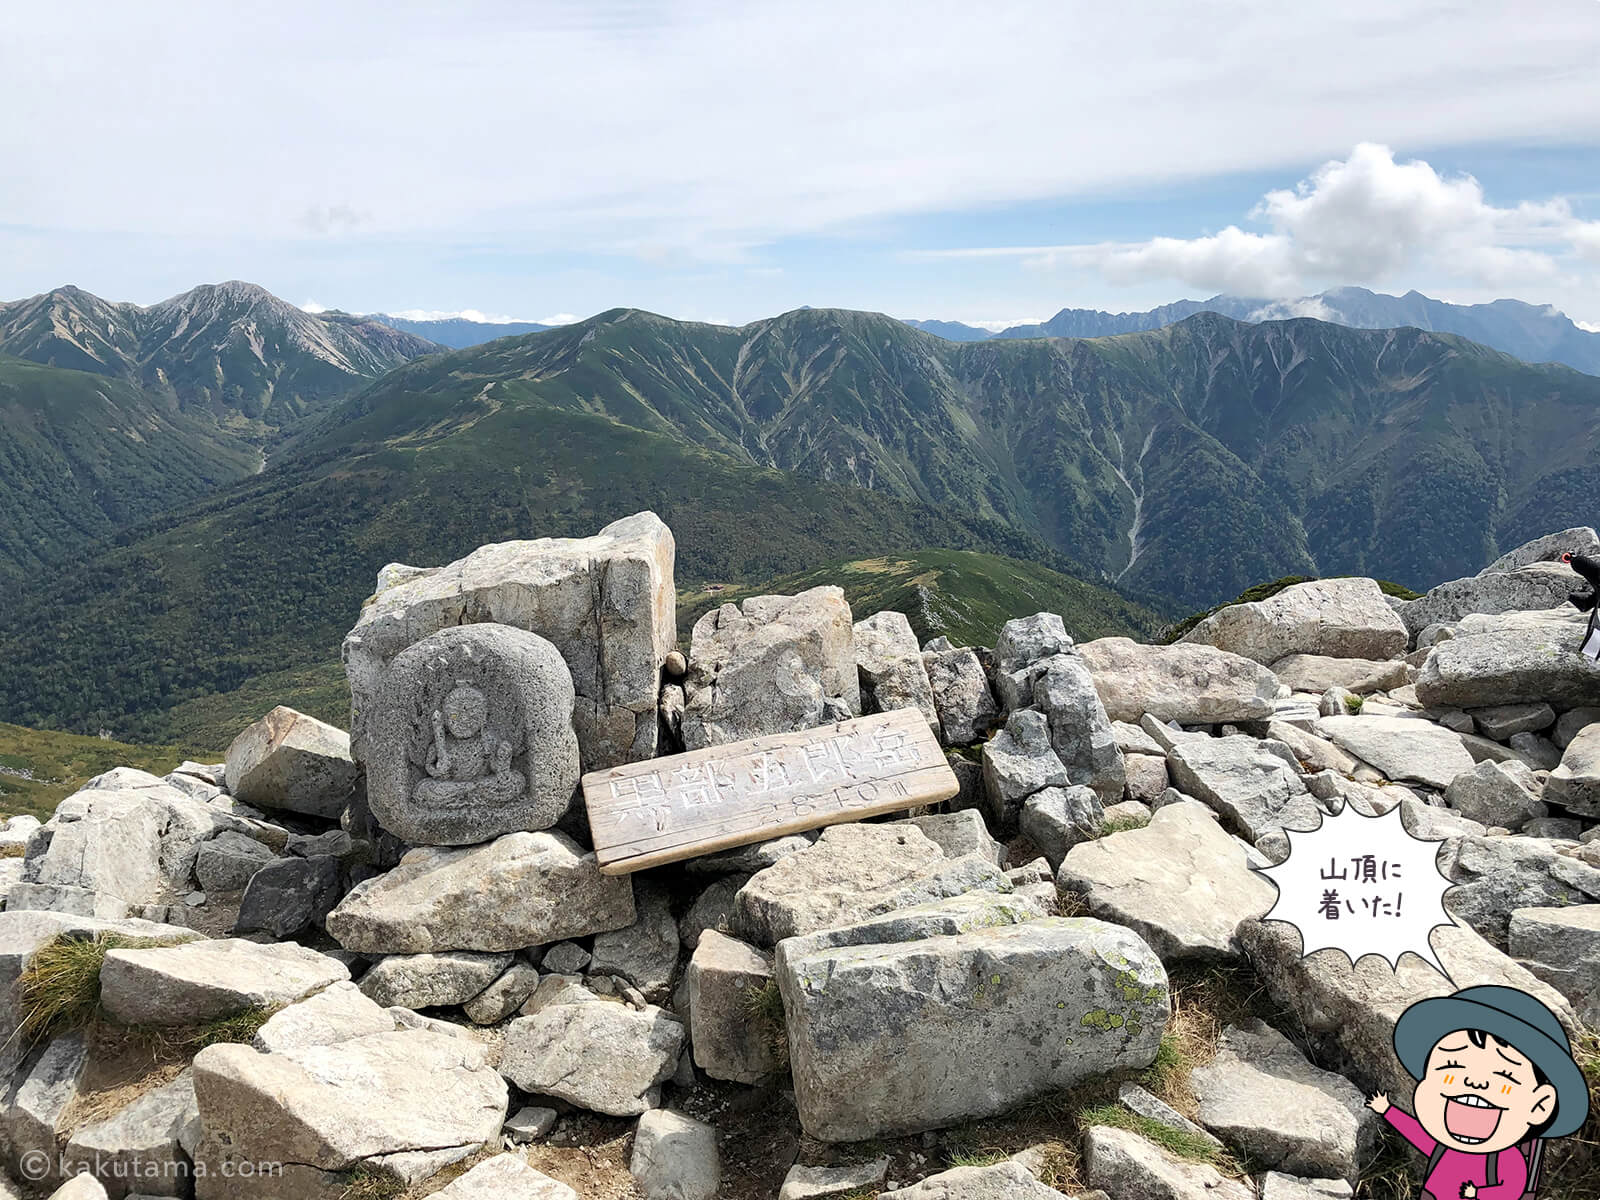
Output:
(1379, 1103)
(1468, 1190)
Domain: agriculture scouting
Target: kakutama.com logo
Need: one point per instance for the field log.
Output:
(38, 1165)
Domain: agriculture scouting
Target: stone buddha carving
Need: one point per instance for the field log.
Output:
(468, 763)
(471, 737)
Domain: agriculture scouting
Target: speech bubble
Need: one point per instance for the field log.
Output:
(1362, 885)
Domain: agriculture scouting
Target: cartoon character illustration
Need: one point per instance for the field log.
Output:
(1588, 566)
(1495, 1078)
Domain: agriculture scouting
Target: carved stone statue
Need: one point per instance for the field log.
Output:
(469, 764)
(472, 737)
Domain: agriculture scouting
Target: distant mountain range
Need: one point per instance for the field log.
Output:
(1176, 466)
(112, 413)
(231, 349)
(1531, 332)
(459, 332)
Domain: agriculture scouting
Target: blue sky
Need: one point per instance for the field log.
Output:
(724, 162)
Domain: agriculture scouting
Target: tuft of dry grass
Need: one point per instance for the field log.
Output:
(1580, 1170)
(366, 1184)
(1057, 1165)
(1201, 1005)
(14, 850)
(1070, 903)
(764, 1007)
(59, 990)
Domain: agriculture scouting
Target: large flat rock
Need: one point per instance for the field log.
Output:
(601, 1056)
(1181, 883)
(1035, 1008)
(364, 1101)
(206, 980)
(1122, 1164)
(524, 889)
(608, 603)
(1000, 1181)
(1254, 785)
(1317, 673)
(23, 934)
(504, 1177)
(1264, 1099)
(1405, 749)
(1334, 618)
(1513, 663)
(1187, 683)
(1562, 946)
(853, 872)
(1533, 586)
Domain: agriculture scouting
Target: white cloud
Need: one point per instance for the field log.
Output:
(1304, 306)
(997, 326)
(1363, 219)
(468, 314)
(1588, 326)
(606, 126)
(311, 306)
(562, 318)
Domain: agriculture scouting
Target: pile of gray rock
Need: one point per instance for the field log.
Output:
(431, 967)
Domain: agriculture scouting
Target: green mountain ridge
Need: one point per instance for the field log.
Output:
(1184, 464)
(111, 414)
(267, 576)
(83, 455)
(1246, 451)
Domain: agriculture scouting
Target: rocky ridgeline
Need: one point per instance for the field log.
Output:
(421, 963)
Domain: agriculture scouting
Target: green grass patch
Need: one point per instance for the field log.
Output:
(45, 766)
(965, 595)
(1179, 1142)
(1123, 824)
(1169, 1065)
(976, 1158)
(190, 1040)
(1354, 704)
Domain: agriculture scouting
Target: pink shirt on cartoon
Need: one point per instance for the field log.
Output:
(1458, 1167)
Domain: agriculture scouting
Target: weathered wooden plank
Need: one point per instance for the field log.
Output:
(648, 813)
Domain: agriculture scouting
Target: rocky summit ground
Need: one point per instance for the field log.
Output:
(287, 977)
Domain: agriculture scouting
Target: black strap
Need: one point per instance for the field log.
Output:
(1492, 1177)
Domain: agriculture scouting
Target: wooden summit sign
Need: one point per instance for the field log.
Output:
(647, 813)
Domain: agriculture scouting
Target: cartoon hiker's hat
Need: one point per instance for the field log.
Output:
(1514, 1017)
